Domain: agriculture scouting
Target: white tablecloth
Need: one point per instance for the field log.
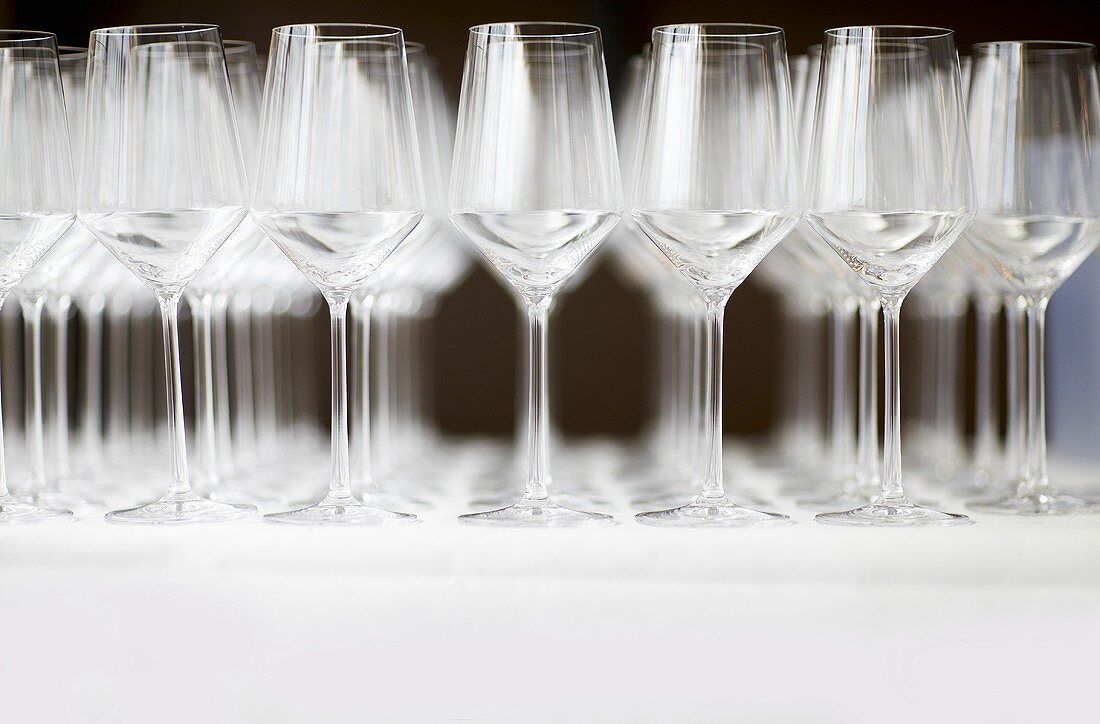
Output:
(252, 622)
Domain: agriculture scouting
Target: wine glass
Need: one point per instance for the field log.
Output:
(338, 188)
(715, 189)
(48, 289)
(1034, 112)
(890, 191)
(535, 187)
(36, 189)
(162, 186)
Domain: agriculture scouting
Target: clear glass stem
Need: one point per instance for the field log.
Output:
(340, 485)
(119, 383)
(713, 472)
(538, 399)
(382, 421)
(35, 432)
(696, 380)
(891, 449)
(142, 429)
(1014, 425)
(244, 362)
(264, 360)
(867, 449)
(363, 308)
(1036, 445)
(985, 389)
(808, 380)
(59, 420)
(4, 492)
(842, 406)
(223, 444)
(202, 311)
(180, 485)
(91, 430)
(948, 426)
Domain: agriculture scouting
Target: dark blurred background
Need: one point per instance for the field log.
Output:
(601, 335)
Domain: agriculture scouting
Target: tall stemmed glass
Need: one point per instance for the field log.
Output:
(535, 187)
(715, 189)
(47, 289)
(1035, 113)
(890, 191)
(338, 188)
(36, 185)
(162, 186)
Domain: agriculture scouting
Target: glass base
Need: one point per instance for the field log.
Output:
(1034, 503)
(61, 500)
(13, 512)
(341, 511)
(568, 500)
(679, 500)
(899, 512)
(711, 513)
(181, 509)
(850, 498)
(544, 513)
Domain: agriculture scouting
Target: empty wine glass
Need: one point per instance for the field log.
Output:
(1035, 113)
(890, 191)
(338, 188)
(535, 187)
(48, 289)
(715, 189)
(162, 186)
(36, 185)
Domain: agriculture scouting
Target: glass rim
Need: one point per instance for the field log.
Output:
(747, 30)
(565, 30)
(1067, 47)
(928, 32)
(158, 29)
(14, 37)
(367, 31)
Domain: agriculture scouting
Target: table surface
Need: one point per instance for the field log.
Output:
(998, 621)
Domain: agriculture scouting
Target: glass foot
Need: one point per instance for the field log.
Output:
(538, 514)
(60, 500)
(679, 500)
(1033, 503)
(341, 511)
(13, 512)
(851, 498)
(179, 509)
(898, 512)
(568, 500)
(711, 513)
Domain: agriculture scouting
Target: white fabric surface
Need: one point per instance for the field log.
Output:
(995, 622)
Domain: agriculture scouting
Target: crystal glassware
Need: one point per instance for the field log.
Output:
(1034, 112)
(890, 191)
(162, 186)
(338, 188)
(36, 187)
(535, 187)
(715, 189)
